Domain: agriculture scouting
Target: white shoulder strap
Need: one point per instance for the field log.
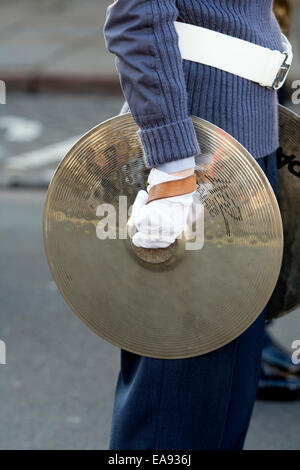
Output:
(245, 59)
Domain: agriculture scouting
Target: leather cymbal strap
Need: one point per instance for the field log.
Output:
(172, 188)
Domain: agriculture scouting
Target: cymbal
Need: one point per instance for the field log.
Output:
(286, 295)
(189, 299)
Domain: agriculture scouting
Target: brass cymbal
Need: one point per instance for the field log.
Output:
(286, 296)
(189, 302)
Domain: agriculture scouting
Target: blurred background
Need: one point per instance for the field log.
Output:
(56, 389)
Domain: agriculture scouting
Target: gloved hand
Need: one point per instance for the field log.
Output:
(160, 222)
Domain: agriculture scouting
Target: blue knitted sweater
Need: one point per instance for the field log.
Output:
(162, 90)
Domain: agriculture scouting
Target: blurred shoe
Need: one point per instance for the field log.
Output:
(274, 384)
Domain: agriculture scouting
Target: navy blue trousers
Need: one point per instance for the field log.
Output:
(203, 402)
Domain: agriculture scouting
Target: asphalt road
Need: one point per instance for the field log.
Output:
(56, 389)
(36, 130)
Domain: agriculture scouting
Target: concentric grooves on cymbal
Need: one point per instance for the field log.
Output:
(211, 295)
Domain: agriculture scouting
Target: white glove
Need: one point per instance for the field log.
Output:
(160, 222)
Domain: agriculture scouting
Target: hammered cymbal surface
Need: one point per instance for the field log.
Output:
(286, 295)
(195, 300)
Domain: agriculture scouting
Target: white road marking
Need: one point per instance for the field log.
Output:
(19, 129)
(36, 158)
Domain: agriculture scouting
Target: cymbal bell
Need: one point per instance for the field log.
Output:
(190, 299)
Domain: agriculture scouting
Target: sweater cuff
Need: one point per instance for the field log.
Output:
(170, 142)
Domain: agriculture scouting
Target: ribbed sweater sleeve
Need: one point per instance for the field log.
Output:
(142, 35)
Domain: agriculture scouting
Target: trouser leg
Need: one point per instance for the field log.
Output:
(204, 402)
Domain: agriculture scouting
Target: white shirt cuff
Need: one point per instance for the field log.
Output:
(177, 165)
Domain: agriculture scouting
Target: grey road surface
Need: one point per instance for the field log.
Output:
(56, 390)
(36, 130)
